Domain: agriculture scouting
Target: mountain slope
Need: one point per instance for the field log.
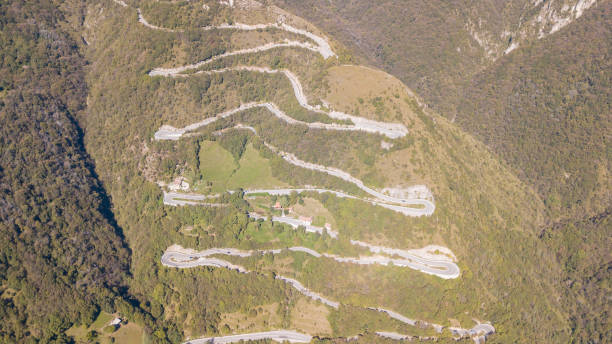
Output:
(538, 95)
(543, 107)
(60, 252)
(487, 217)
(583, 250)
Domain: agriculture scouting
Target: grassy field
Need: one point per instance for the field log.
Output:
(254, 172)
(311, 317)
(219, 168)
(365, 92)
(216, 164)
(130, 333)
(257, 319)
(306, 316)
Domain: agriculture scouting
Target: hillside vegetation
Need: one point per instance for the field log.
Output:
(238, 172)
(62, 256)
(545, 109)
(543, 106)
(484, 214)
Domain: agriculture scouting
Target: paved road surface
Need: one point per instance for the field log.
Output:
(396, 316)
(428, 206)
(393, 335)
(297, 285)
(483, 329)
(180, 199)
(277, 336)
(291, 158)
(176, 71)
(179, 257)
(167, 132)
(391, 130)
(442, 267)
(322, 46)
(185, 259)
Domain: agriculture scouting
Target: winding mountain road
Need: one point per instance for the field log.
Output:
(297, 285)
(167, 132)
(428, 206)
(391, 130)
(179, 257)
(322, 46)
(434, 260)
(442, 267)
(176, 256)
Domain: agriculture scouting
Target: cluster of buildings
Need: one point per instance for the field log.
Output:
(305, 220)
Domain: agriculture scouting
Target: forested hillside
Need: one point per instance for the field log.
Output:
(546, 109)
(61, 254)
(583, 250)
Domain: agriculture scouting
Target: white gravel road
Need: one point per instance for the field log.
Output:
(322, 46)
(427, 210)
(393, 335)
(429, 206)
(280, 336)
(144, 22)
(483, 329)
(173, 72)
(167, 132)
(297, 285)
(179, 257)
(180, 199)
(396, 316)
(441, 266)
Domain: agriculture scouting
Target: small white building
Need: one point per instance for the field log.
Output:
(306, 220)
(115, 322)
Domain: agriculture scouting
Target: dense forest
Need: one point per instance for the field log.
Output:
(62, 256)
(546, 109)
(583, 250)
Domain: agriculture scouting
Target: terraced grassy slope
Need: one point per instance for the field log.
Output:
(483, 213)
